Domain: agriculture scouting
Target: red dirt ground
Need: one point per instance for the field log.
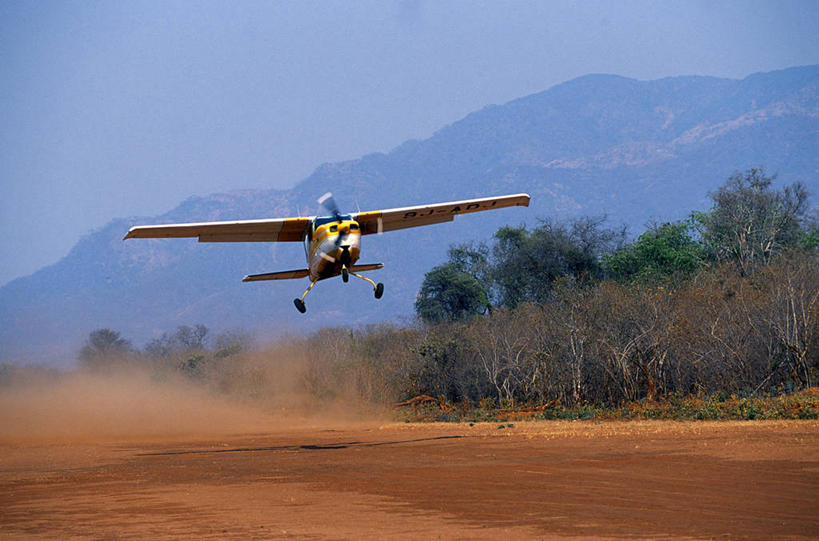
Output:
(584, 480)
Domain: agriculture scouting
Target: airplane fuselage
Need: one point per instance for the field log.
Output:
(331, 246)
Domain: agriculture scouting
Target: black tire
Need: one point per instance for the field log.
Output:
(300, 305)
(379, 290)
(345, 275)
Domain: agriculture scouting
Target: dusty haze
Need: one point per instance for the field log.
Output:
(130, 403)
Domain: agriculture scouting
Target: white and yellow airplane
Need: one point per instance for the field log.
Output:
(332, 243)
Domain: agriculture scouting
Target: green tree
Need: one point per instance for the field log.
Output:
(809, 240)
(455, 290)
(527, 264)
(750, 222)
(659, 254)
(448, 294)
(471, 258)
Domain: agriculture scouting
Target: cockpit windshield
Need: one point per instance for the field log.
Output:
(321, 220)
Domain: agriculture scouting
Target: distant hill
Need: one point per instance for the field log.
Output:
(600, 144)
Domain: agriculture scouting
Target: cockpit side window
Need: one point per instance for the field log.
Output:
(353, 227)
(333, 228)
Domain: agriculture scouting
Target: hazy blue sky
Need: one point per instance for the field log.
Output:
(112, 109)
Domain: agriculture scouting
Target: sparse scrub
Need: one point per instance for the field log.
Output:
(720, 346)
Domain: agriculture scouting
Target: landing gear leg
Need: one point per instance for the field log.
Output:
(379, 287)
(300, 302)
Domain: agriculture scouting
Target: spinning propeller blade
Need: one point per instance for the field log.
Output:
(329, 203)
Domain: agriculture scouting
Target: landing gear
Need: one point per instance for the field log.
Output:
(300, 302)
(377, 288)
(300, 305)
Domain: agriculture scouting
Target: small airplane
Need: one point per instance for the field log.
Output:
(332, 243)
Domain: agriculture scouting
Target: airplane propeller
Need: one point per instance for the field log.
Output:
(327, 201)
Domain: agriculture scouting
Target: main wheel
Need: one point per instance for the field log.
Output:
(300, 305)
(379, 290)
(345, 275)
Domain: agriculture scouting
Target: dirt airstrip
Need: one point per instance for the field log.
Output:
(631, 480)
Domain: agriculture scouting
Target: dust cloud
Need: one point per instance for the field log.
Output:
(137, 404)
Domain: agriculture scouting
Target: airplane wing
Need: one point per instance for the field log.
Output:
(272, 230)
(379, 221)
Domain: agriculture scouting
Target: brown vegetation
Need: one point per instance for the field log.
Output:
(600, 346)
(608, 346)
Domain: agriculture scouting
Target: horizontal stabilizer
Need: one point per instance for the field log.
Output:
(301, 273)
(283, 275)
(367, 267)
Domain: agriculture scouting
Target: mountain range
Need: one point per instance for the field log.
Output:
(635, 151)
